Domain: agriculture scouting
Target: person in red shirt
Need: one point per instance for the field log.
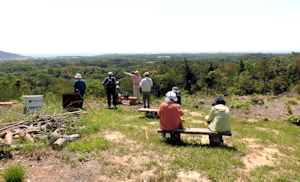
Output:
(169, 113)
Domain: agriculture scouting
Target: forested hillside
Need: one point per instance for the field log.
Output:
(8, 55)
(226, 74)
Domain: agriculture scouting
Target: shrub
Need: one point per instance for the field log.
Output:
(200, 101)
(265, 119)
(14, 172)
(256, 101)
(295, 119)
(291, 102)
(238, 104)
(297, 89)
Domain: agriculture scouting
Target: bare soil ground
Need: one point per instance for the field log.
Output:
(54, 166)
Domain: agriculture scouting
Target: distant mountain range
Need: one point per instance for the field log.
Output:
(8, 55)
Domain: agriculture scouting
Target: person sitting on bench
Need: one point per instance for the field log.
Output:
(219, 118)
(169, 113)
(119, 91)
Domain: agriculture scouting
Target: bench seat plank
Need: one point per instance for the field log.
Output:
(147, 109)
(203, 131)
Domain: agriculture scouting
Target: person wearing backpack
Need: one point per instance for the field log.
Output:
(146, 85)
(110, 85)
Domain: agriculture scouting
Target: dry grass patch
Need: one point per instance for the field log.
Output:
(264, 157)
(267, 129)
(191, 176)
(115, 136)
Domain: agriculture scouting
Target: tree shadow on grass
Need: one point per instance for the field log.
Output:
(181, 143)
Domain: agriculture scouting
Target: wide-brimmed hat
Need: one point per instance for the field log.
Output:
(217, 99)
(78, 75)
(136, 72)
(175, 89)
(147, 73)
(110, 74)
(117, 82)
(171, 96)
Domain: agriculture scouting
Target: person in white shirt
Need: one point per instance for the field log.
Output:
(146, 85)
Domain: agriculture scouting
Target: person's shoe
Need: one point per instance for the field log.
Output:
(140, 103)
(115, 107)
(82, 108)
(163, 135)
(144, 106)
(109, 107)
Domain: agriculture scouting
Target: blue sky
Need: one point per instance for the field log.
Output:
(139, 26)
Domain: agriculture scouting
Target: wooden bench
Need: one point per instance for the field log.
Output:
(215, 138)
(7, 104)
(133, 100)
(149, 110)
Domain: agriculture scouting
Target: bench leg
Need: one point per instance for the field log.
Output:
(132, 102)
(215, 139)
(175, 136)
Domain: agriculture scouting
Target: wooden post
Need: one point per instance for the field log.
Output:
(175, 136)
(215, 140)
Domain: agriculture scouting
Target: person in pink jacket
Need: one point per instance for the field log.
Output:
(169, 113)
(136, 81)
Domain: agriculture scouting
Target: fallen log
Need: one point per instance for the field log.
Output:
(8, 138)
(71, 138)
(33, 129)
(25, 136)
(42, 137)
(3, 133)
(65, 138)
(58, 143)
(13, 125)
(55, 135)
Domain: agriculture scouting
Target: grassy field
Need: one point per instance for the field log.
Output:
(123, 145)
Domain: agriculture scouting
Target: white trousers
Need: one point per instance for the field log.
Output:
(136, 92)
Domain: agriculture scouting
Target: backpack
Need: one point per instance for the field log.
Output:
(110, 81)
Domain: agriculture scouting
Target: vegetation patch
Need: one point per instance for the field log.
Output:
(239, 104)
(295, 119)
(14, 172)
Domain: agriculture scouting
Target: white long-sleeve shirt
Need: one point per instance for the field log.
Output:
(146, 84)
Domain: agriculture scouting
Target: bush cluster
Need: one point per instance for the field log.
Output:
(239, 104)
(295, 119)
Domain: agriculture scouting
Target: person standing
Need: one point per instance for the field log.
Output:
(175, 89)
(110, 85)
(146, 85)
(136, 81)
(79, 87)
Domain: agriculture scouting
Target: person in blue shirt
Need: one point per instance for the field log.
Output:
(110, 85)
(175, 89)
(79, 85)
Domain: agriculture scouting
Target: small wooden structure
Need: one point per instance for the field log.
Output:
(149, 110)
(133, 100)
(7, 104)
(215, 138)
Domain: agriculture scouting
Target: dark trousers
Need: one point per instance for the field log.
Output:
(146, 95)
(111, 91)
(81, 101)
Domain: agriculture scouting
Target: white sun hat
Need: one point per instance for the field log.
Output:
(78, 75)
(171, 96)
(110, 74)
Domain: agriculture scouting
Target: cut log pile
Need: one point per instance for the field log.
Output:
(44, 127)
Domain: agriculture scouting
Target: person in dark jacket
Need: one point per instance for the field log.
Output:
(175, 89)
(79, 85)
(110, 85)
